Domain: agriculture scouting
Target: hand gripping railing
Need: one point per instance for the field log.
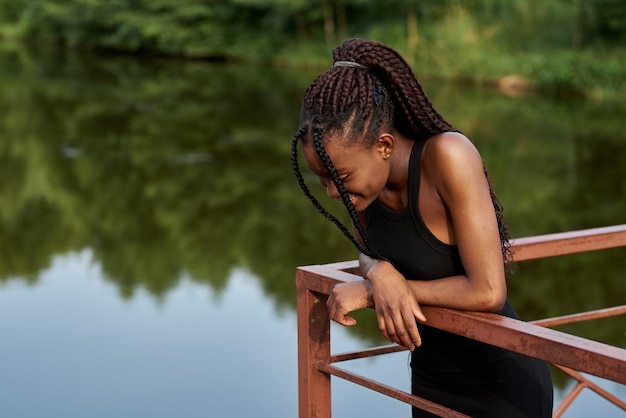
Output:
(569, 353)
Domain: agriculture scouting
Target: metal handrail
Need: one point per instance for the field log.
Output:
(569, 353)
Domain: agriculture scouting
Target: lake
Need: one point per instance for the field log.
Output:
(150, 227)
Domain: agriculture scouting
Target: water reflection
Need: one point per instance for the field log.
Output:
(165, 169)
(72, 348)
(160, 167)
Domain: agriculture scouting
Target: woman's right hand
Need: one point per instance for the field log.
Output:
(349, 297)
(396, 306)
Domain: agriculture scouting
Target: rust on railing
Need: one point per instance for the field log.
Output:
(569, 353)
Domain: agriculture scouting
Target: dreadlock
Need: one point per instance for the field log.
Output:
(354, 102)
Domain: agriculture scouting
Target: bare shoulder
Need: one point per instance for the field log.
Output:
(450, 147)
(452, 162)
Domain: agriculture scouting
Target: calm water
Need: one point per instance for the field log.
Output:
(150, 228)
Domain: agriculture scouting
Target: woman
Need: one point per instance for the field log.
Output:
(427, 224)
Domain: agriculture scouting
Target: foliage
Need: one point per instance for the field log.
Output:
(480, 41)
(187, 28)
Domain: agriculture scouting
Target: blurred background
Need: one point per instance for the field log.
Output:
(150, 225)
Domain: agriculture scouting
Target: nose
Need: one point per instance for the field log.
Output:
(331, 190)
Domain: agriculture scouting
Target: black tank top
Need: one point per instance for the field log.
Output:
(403, 238)
(466, 375)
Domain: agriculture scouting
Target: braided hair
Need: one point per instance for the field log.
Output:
(374, 88)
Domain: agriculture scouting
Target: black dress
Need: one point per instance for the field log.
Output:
(468, 376)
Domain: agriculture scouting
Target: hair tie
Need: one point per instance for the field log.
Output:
(348, 64)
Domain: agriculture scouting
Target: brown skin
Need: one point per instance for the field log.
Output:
(456, 206)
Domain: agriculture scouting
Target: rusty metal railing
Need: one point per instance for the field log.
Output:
(571, 354)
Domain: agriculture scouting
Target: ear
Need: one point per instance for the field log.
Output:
(386, 144)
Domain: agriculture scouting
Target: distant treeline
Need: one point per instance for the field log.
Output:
(560, 44)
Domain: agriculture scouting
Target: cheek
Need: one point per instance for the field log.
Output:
(378, 175)
(373, 182)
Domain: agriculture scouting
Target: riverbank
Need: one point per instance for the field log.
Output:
(553, 49)
(589, 75)
(592, 75)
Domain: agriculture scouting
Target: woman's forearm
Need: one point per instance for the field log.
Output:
(457, 292)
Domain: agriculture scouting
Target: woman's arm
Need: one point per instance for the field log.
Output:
(455, 169)
(466, 217)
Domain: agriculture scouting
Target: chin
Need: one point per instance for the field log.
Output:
(360, 203)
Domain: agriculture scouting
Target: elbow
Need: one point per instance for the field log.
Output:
(493, 300)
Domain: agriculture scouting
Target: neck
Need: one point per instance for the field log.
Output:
(397, 188)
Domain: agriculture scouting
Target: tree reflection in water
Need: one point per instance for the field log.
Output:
(163, 168)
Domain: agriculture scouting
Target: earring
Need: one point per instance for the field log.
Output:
(386, 157)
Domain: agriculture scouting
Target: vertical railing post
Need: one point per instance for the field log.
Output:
(313, 347)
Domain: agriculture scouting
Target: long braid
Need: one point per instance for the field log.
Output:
(503, 228)
(294, 162)
(334, 176)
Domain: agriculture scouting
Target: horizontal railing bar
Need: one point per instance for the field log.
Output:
(543, 246)
(370, 352)
(351, 266)
(548, 322)
(392, 392)
(553, 346)
(582, 316)
(321, 279)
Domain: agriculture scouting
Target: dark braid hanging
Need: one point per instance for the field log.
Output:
(355, 102)
(294, 162)
(503, 228)
(319, 148)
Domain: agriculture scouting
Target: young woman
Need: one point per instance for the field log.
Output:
(427, 224)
